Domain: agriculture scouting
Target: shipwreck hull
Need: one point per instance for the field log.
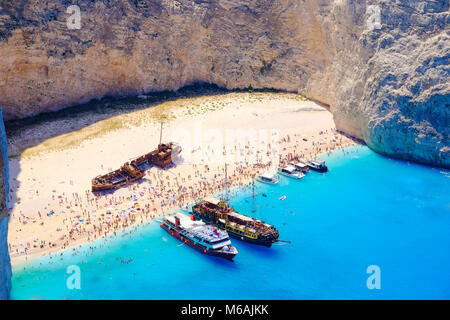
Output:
(130, 172)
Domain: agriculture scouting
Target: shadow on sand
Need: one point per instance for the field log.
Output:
(92, 112)
(80, 116)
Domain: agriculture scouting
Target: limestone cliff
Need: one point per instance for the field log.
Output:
(5, 266)
(393, 88)
(388, 85)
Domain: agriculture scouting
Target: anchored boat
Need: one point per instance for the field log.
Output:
(290, 171)
(300, 166)
(267, 178)
(196, 234)
(316, 165)
(237, 225)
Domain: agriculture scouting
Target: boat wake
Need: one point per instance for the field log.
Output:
(281, 243)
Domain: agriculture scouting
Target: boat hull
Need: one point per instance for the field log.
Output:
(166, 160)
(292, 176)
(250, 240)
(115, 186)
(319, 169)
(202, 249)
(163, 163)
(132, 170)
(231, 233)
(267, 182)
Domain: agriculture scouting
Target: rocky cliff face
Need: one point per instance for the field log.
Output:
(5, 266)
(387, 85)
(393, 90)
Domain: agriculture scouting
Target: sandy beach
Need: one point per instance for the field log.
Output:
(51, 203)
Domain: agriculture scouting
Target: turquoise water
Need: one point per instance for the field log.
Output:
(368, 210)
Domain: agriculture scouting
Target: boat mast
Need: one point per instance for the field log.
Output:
(226, 183)
(253, 198)
(160, 133)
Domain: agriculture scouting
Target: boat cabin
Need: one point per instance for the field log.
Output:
(267, 177)
(318, 163)
(288, 170)
(300, 166)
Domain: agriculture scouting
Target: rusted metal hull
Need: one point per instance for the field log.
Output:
(131, 172)
(165, 154)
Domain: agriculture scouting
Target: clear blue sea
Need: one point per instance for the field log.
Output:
(368, 210)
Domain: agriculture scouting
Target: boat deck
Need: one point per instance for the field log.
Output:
(131, 172)
(198, 228)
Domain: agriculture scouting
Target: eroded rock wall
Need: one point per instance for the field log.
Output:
(388, 86)
(395, 95)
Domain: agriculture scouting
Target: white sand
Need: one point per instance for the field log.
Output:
(66, 172)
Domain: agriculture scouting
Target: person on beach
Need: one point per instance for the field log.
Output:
(91, 216)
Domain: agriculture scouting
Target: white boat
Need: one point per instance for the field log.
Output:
(290, 171)
(267, 178)
(199, 235)
(317, 165)
(300, 166)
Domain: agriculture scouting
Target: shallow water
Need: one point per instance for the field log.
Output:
(368, 210)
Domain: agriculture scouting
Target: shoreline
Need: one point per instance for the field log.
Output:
(304, 129)
(21, 261)
(146, 256)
